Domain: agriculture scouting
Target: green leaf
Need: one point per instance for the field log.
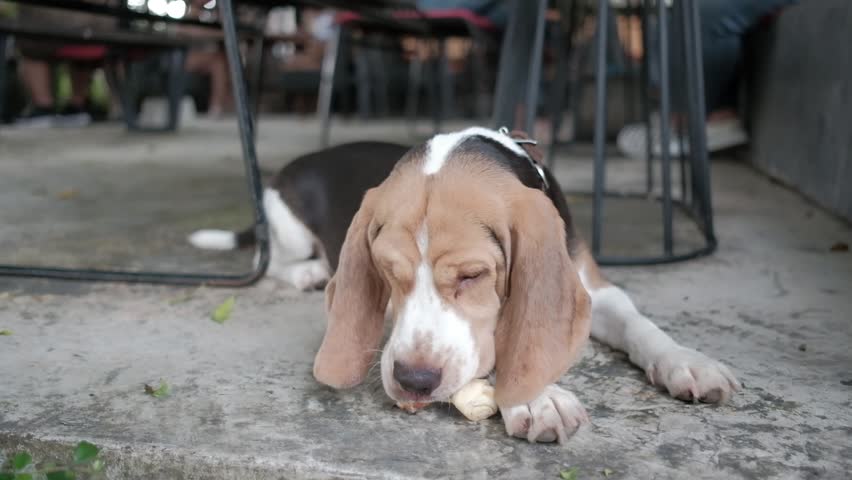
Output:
(21, 460)
(223, 311)
(60, 475)
(158, 392)
(607, 472)
(85, 452)
(5, 333)
(97, 465)
(570, 474)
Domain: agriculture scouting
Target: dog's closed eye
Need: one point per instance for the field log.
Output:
(468, 279)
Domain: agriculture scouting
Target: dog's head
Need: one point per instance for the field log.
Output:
(477, 272)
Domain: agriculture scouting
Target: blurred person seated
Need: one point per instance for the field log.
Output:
(37, 57)
(209, 59)
(723, 25)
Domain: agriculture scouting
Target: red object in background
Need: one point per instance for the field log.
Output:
(87, 53)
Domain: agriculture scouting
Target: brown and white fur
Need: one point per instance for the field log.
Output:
(469, 243)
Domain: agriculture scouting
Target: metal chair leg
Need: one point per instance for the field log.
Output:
(246, 128)
(177, 77)
(326, 89)
(412, 97)
(665, 132)
(645, 83)
(600, 127)
(517, 87)
(364, 90)
(3, 69)
(533, 85)
(376, 59)
(433, 92)
(700, 166)
(445, 81)
(563, 45)
(256, 77)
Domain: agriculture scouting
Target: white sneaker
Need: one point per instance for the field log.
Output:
(721, 134)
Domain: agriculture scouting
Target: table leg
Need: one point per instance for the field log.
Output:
(520, 66)
(246, 127)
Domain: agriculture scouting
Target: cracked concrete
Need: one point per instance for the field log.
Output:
(773, 303)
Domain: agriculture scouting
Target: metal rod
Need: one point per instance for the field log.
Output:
(645, 83)
(701, 164)
(3, 63)
(600, 128)
(326, 88)
(665, 113)
(245, 123)
(505, 96)
(532, 86)
(412, 98)
(252, 177)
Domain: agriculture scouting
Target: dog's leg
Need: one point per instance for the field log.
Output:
(292, 246)
(307, 275)
(686, 373)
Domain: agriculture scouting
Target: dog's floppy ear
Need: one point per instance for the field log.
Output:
(356, 298)
(545, 320)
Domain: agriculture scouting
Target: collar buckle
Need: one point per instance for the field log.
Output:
(528, 141)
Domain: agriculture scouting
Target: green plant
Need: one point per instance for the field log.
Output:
(86, 465)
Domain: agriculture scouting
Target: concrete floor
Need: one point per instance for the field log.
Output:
(774, 303)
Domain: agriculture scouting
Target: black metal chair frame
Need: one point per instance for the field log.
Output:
(439, 86)
(517, 96)
(245, 123)
(696, 198)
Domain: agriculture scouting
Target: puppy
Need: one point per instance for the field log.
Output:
(468, 241)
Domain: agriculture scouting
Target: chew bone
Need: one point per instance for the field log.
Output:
(475, 400)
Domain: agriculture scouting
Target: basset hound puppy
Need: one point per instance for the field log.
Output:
(467, 241)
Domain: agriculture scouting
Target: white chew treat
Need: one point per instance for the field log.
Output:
(475, 400)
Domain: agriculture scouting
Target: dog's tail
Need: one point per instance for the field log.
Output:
(222, 239)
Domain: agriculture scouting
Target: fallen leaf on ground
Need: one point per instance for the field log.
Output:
(5, 333)
(570, 474)
(840, 247)
(607, 472)
(158, 392)
(21, 460)
(223, 311)
(84, 452)
(67, 194)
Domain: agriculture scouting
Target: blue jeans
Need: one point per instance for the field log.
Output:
(723, 25)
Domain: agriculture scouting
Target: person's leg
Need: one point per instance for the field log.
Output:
(35, 74)
(214, 64)
(81, 80)
(723, 25)
(74, 113)
(220, 91)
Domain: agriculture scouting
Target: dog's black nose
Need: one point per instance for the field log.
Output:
(421, 381)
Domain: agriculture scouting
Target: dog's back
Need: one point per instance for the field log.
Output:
(324, 189)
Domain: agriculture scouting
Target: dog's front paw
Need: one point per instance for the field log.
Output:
(692, 376)
(555, 415)
(307, 275)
